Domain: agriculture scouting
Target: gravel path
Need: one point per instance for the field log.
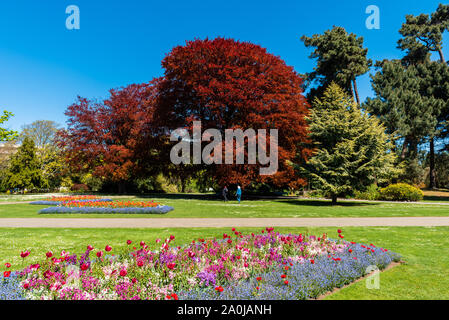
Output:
(225, 222)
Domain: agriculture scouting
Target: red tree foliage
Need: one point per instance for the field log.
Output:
(228, 84)
(114, 138)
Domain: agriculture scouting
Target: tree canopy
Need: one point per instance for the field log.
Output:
(341, 58)
(353, 150)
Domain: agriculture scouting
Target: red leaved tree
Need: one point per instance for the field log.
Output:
(228, 84)
(113, 138)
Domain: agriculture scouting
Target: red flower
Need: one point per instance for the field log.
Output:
(283, 276)
(350, 250)
(140, 263)
(312, 261)
(286, 268)
(123, 273)
(142, 243)
(6, 274)
(259, 278)
(25, 254)
(134, 280)
(229, 241)
(7, 265)
(128, 242)
(26, 286)
(172, 238)
(286, 282)
(339, 231)
(171, 266)
(49, 254)
(174, 296)
(233, 229)
(257, 288)
(84, 266)
(219, 289)
(90, 248)
(108, 248)
(99, 254)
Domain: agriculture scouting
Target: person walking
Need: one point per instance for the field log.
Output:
(239, 194)
(225, 193)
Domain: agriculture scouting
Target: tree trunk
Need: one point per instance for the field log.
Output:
(432, 183)
(121, 187)
(334, 199)
(356, 91)
(440, 52)
(404, 148)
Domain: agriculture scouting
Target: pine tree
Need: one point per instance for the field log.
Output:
(341, 58)
(353, 150)
(24, 171)
(422, 35)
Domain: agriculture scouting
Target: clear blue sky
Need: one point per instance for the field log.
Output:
(44, 66)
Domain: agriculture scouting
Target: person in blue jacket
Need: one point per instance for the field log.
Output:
(239, 194)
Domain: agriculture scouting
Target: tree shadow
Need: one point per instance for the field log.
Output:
(327, 203)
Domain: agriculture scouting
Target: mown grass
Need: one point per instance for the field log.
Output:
(424, 276)
(202, 208)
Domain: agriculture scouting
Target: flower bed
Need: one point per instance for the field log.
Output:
(63, 199)
(267, 265)
(109, 207)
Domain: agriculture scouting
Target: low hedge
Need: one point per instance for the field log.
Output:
(401, 192)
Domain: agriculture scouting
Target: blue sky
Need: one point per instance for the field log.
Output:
(44, 66)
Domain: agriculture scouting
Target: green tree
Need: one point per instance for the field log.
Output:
(43, 134)
(422, 35)
(341, 58)
(5, 134)
(24, 171)
(353, 150)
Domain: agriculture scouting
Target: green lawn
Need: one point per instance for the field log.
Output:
(424, 276)
(200, 208)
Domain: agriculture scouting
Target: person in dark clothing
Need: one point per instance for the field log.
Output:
(225, 193)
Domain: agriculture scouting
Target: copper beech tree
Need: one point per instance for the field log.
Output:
(223, 83)
(113, 138)
(227, 84)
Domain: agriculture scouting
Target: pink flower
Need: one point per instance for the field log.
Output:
(123, 273)
(49, 254)
(108, 248)
(99, 254)
(90, 248)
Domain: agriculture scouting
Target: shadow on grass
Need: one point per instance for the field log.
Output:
(436, 198)
(327, 203)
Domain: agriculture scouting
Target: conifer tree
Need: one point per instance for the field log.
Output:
(423, 34)
(341, 58)
(353, 150)
(24, 171)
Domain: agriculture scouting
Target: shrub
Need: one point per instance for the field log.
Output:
(372, 193)
(401, 192)
(80, 187)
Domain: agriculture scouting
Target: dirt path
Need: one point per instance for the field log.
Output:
(219, 222)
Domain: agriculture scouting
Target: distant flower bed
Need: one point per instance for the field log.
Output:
(107, 210)
(62, 199)
(267, 265)
(110, 204)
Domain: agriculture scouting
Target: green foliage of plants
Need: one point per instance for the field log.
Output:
(372, 193)
(352, 147)
(25, 171)
(401, 192)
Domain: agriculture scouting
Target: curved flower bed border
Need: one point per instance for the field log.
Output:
(55, 203)
(109, 210)
(268, 265)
